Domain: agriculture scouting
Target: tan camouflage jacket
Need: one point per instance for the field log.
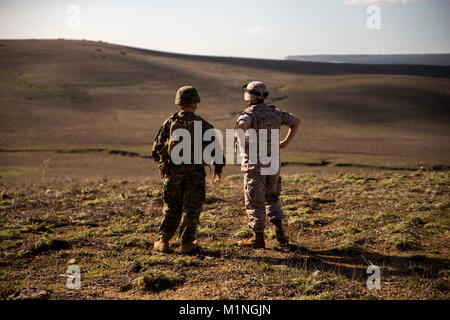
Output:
(263, 116)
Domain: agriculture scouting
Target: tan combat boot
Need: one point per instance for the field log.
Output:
(257, 242)
(189, 247)
(162, 245)
(281, 237)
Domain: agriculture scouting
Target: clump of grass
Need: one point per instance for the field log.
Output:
(327, 295)
(137, 242)
(304, 210)
(210, 199)
(81, 236)
(421, 206)
(100, 269)
(265, 267)
(435, 226)
(153, 260)
(370, 296)
(210, 220)
(389, 183)
(299, 222)
(10, 244)
(354, 240)
(243, 232)
(288, 199)
(402, 240)
(306, 284)
(94, 202)
(47, 243)
(347, 178)
(205, 232)
(3, 275)
(185, 261)
(353, 230)
(322, 221)
(156, 280)
(270, 233)
(117, 231)
(234, 177)
(9, 234)
(144, 228)
(385, 216)
(222, 244)
(143, 262)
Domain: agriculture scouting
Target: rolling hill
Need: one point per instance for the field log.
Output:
(82, 94)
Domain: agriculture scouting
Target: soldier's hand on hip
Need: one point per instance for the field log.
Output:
(216, 177)
(284, 144)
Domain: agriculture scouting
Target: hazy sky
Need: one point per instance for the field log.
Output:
(263, 28)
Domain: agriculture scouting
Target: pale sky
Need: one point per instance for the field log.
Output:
(261, 29)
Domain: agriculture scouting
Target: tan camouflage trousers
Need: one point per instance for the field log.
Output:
(262, 198)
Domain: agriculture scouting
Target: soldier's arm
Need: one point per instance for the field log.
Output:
(156, 147)
(244, 121)
(159, 142)
(293, 123)
(218, 168)
(242, 125)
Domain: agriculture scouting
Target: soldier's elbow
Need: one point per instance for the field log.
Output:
(295, 124)
(242, 125)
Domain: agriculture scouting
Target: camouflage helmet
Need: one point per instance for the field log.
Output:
(255, 90)
(187, 95)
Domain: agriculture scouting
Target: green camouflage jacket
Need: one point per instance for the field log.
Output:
(164, 134)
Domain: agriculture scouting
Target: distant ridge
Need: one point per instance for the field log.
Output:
(408, 59)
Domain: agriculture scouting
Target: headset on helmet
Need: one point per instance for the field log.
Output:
(261, 94)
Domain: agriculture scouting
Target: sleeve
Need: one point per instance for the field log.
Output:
(245, 117)
(287, 119)
(160, 140)
(217, 167)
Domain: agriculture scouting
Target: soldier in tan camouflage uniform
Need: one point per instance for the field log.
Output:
(184, 185)
(262, 192)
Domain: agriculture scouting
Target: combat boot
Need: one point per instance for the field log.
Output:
(281, 237)
(189, 247)
(257, 242)
(162, 245)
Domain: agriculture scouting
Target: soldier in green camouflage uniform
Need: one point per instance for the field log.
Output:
(184, 185)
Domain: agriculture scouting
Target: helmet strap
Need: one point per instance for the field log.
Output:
(254, 102)
(188, 106)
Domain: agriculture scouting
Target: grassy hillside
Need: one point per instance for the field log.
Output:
(59, 95)
(338, 224)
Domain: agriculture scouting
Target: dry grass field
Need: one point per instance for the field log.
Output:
(338, 224)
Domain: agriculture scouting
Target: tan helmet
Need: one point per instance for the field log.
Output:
(187, 95)
(255, 90)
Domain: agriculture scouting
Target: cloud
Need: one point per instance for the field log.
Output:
(259, 30)
(377, 2)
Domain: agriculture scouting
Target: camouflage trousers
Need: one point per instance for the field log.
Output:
(262, 197)
(184, 188)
